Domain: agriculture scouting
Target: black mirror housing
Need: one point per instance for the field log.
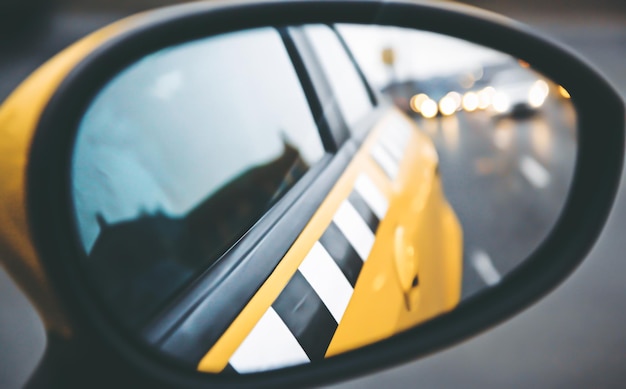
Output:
(117, 356)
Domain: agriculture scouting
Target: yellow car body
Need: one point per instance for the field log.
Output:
(412, 259)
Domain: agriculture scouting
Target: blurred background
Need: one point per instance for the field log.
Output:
(574, 338)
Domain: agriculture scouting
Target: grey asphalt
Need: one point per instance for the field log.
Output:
(574, 338)
(507, 180)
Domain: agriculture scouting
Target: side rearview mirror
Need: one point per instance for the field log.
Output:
(289, 193)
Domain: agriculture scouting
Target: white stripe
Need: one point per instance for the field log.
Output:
(372, 195)
(354, 229)
(484, 267)
(536, 174)
(270, 345)
(400, 134)
(384, 160)
(326, 278)
(394, 148)
(400, 127)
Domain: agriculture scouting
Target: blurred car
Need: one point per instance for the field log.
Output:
(435, 96)
(518, 92)
(310, 212)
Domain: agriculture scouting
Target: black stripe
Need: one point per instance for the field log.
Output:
(364, 210)
(306, 316)
(229, 369)
(342, 252)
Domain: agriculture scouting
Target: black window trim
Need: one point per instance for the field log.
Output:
(368, 87)
(314, 87)
(327, 107)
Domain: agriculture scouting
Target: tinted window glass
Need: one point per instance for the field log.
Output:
(346, 84)
(181, 153)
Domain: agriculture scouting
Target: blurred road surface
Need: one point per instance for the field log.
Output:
(507, 180)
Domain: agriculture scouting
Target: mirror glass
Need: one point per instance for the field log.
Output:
(242, 207)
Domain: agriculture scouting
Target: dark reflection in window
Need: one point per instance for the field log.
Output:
(138, 263)
(179, 156)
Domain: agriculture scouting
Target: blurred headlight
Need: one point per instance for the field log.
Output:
(538, 93)
(485, 97)
(417, 101)
(501, 102)
(470, 101)
(456, 96)
(448, 105)
(429, 108)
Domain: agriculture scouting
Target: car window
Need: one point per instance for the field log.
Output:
(346, 84)
(153, 180)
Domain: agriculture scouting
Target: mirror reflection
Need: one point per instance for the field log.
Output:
(505, 137)
(244, 207)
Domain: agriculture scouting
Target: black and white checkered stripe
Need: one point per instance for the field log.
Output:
(301, 322)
